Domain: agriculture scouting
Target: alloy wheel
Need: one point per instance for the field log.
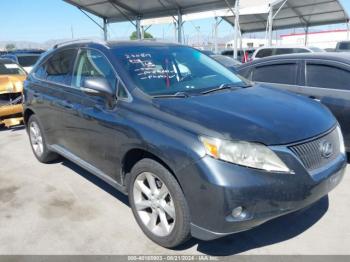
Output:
(154, 204)
(36, 139)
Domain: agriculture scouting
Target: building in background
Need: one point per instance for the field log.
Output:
(322, 39)
(248, 43)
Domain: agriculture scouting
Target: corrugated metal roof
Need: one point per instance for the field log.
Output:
(121, 10)
(296, 13)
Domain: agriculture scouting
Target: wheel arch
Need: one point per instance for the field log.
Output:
(27, 114)
(135, 155)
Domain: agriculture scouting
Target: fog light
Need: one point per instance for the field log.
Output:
(237, 212)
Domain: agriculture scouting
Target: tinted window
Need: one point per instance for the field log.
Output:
(327, 77)
(28, 60)
(344, 46)
(227, 53)
(284, 51)
(92, 64)
(279, 73)
(164, 70)
(58, 68)
(264, 53)
(122, 93)
(246, 73)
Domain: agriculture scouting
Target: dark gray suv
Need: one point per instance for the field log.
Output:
(200, 151)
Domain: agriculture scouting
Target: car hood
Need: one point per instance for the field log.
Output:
(11, 83)
(257, 114)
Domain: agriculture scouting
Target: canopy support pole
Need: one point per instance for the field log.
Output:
(270, 22)
(216, 25)
(179, 27)
(306, 35)
(235, 52)
(138, 28)
(105, 29)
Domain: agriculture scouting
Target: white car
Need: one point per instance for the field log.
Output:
(283, 50)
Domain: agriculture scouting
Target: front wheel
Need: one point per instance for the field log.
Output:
(38, 142)
(158, 204)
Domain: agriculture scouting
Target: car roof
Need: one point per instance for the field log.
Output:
(340, 57)
(113, 44)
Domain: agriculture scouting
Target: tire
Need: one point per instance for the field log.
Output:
(172, 208)
(38, 141)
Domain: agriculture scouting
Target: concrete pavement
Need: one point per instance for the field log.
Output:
(61, 209)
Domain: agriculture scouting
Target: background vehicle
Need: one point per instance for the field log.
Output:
(243, 56)
(343, 46)
(156, 121)
(11, 87)
(25, 58)
(283, 50)
(324, 77)
(226, 61)
(208, 52)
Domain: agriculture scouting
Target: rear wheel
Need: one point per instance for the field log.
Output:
(38, 142)
(158, 204)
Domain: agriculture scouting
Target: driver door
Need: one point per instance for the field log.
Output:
(93, 130)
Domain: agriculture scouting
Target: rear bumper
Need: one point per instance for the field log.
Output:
(215, 188)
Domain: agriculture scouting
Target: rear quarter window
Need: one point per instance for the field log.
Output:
(327, 76)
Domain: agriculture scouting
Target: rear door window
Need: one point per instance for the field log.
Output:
(58, 68)
(327, 76)
(284, 73)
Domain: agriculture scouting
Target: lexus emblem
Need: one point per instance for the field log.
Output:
(326, 149)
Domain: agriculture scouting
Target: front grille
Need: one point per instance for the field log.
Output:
(316, 153)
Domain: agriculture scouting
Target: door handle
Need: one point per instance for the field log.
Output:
(67, 105)
(315, 98)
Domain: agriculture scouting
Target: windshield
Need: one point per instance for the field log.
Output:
(167, 70)
(8, 68)
(27, 60)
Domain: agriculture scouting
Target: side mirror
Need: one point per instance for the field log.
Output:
(98, 86)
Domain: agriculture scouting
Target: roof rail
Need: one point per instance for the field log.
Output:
(78, 41)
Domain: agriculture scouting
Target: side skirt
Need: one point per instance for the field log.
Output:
(75, 159)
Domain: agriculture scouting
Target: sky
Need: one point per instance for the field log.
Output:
(43, 20)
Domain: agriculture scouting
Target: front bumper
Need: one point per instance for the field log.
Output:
(214, 188)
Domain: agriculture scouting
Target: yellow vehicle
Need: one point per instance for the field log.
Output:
(12, 77)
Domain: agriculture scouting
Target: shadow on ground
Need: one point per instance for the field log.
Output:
(95, 180)
(274, 231)
(12, 129)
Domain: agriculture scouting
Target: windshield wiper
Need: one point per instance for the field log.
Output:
(225, 86)
(176, 95)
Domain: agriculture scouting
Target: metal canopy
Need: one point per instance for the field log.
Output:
(121, 10)
(294, 13)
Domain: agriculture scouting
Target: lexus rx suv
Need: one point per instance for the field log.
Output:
(199, 150)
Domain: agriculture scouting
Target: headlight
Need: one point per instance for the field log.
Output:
(244, 153)
(341, 140)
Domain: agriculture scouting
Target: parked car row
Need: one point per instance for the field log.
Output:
(324, 77)
(251, 54)
(199, 150)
